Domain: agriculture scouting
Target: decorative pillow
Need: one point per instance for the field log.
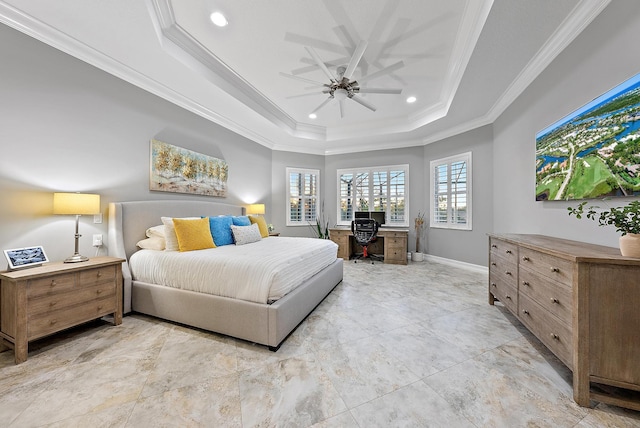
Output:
(241, 220)
(152, 243)
(246, 234)
(156, 231)
(193, 234)
(221, 230)
(262, 224)
(171, 240)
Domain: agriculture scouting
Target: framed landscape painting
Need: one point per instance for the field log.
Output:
(174, 169)
(595, 151)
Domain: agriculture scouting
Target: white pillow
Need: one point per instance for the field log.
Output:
(152, 243)
(156, 231)
(246, 234)
(170, 237)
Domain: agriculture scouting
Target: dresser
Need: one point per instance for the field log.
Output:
(40, 301)
(582, 301)
(391, 242)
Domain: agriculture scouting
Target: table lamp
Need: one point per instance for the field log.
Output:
(76, 204)
(255, 209)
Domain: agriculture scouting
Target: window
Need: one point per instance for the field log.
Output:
(451, 192)
(303, 189)
(374, 189)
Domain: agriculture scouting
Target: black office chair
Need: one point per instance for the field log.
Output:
(365, 232)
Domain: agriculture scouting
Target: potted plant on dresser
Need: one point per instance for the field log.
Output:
(625, 219)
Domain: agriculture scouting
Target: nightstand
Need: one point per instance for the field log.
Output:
(40, 301)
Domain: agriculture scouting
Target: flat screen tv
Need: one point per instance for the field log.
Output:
(593, 152)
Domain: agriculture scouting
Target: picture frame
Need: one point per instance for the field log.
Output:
(21, 258)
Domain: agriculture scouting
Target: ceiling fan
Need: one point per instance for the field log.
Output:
(341, 87)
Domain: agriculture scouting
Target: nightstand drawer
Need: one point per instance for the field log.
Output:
(72, 298)
(97, 275)
(53, 321)
(50, 285)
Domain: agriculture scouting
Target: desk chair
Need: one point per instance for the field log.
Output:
(365, 232)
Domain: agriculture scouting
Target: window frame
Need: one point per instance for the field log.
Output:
(372, 194)
(294, 170)
(466, 157)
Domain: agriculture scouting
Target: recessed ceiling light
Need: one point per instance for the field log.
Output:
(219, 19)
(312, 116)
(411, 100)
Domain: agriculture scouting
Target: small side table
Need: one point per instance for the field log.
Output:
(40, 301)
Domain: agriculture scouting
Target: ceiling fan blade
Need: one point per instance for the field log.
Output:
(303, 95)
(291, 76)
(341, 109)
(324, 103)
(363, 102)
(378, 91)
(355, 59)
(382, 72)
(318, 61)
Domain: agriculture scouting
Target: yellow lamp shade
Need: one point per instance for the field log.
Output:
(255, 209)
(76, 203)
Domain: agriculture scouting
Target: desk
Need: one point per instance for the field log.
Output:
(394, 244)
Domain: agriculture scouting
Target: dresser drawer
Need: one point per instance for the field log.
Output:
(555, 334)
(53, 321)
(72, 298)
(395, 256)
(50, 285)
(506, 250)
(552, 296)
(504, 269)
(549, 266)
(505, 293)
(97, 275)
(396, 242)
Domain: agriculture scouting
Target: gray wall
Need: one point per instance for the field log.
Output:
(469, 246)
(604, 55)
(67, 126)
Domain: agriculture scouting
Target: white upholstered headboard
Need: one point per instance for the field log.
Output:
(128, 222)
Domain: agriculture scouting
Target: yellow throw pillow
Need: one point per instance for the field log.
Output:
(262, 225)
(193, 234)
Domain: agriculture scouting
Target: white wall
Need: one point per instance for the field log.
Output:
(604, 55)
(67, 126)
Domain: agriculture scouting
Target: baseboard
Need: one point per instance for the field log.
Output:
(456, 263)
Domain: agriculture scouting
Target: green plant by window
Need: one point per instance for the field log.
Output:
(626, 219)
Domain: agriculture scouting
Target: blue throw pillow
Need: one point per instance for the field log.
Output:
(241, 220)
(221, 230)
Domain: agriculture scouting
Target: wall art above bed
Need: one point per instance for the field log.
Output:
(178, 170)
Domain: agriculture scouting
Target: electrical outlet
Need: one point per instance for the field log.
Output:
(97, 240)
(97, 218)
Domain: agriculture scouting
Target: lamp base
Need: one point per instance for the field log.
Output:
(76, 258)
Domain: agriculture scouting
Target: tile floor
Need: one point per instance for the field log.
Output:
(413, 346)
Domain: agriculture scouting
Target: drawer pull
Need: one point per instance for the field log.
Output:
(526, 259)
(554, 300)
(52, 304)
(493, 263)
(555, 269)
(99, 274)
(98, 291)
(53, 322)
(526, 312)
(53, 283)
(494, 246)
(525, 283)
(508, 251)
(555, 336)
(508, 297)
(507, 272)
(493, 284)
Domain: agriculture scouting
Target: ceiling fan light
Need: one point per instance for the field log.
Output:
(411, 99)
(218, 19)
(313, 116)
(340, 94)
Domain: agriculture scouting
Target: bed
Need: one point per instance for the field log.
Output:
(264, 323)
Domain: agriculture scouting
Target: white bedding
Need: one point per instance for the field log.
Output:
(261, 272)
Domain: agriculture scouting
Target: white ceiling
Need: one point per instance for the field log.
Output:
(464, 60)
